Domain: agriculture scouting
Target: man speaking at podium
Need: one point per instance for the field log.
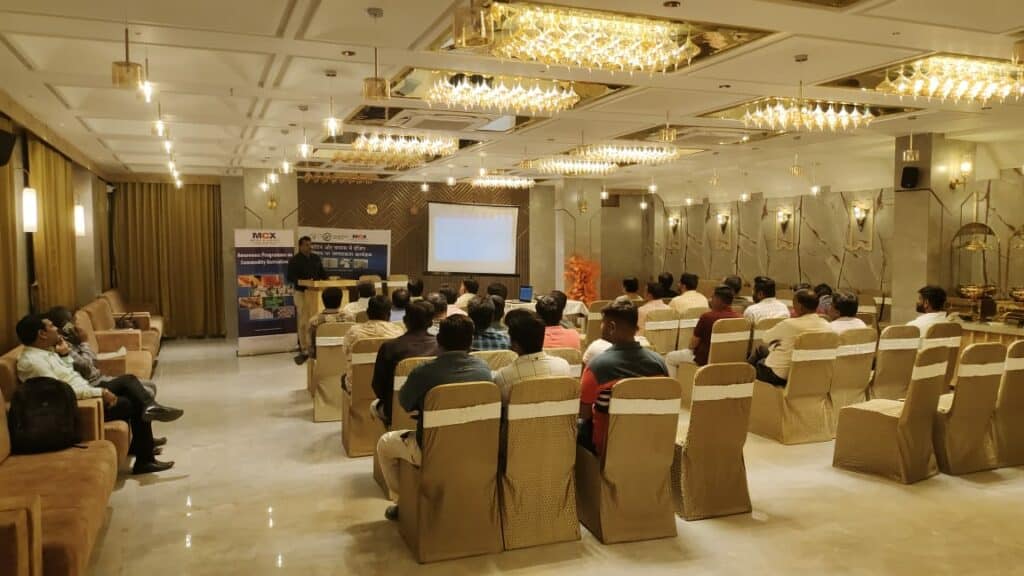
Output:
(304, 265)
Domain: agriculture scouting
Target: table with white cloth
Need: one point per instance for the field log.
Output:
(572, 307)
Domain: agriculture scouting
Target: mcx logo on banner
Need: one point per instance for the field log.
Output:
(264, 236)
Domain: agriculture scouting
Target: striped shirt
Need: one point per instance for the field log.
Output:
(537, 365)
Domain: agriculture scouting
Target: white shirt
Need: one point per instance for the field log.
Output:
(687, 300)
(782, 338)
(642, 311)
(462, 301)
(767, 308)
(844, 323)
(536, 365)
(600, 345)
(353, 308)
(372, 329)
(38, 363)
(925, 320)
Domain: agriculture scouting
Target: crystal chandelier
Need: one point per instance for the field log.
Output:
(645, 154)
(377, 159)
(501, 94)
(558, 36)
(570, 166)
(406, 144)
(804, 114)
(956, 78)
(502, 181)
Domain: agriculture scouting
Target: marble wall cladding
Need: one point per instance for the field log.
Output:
(820, 228)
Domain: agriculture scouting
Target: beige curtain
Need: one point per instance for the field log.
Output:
(101, 230)
(167, 253)
(8, 260)
(54, 242)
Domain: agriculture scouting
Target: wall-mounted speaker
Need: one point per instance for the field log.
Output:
(909, 177)
(6, 146)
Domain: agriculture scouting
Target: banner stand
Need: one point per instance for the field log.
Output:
(267, 319)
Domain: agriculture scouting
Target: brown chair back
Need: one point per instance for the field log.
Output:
(763, 325)
(594, 319)
(496, 359)
(687, 322)
(1009, 416)
(324, 380)
(360, 432)
(814, 358)
(868, 318)
(571, 355)
(730, 341)
(101, 315)
(963, 441)
(852, 373)
(400, 419)
(661, 328)
(9, 373)
(894, 362)
(945, 335)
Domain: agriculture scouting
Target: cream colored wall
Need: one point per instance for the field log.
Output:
(543, 269)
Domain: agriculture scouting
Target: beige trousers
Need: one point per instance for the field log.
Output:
(391, 449)
(301, 321)
(675, 358)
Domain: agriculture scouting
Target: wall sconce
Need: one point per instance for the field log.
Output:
(424, 187)
(30, 209)
(744, 197)
(673, 223)
(79, 220)
(784, 217)
(604, 193)
(966, 167)
(581, 204)
(860, 214)
(723, 221)
(643, 204)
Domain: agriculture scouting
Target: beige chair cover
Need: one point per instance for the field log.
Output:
(800, 412)
(763, 325)
(709, 477)
(730, 342)
(538, 485)
(1008, 423)
(326, 369)
(868, 318)
(628, 496)
(962, 439)
(852, 372)
(571, 355)
(449, 505)
(496, 359)
(945, 335)
(359, 430)
(687, 322)
(892, 438)
(661, 328)
(400, 419)
(894, 362)
(594, 320)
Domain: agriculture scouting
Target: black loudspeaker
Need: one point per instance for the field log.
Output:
(6, 146)
(908, 180)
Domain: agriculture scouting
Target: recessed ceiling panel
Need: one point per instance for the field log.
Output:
(114, 127)
(997, 16)
(403, 22)
(676, 102)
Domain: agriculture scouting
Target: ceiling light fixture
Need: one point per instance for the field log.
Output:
(272, 177)
(668, 134)
(406, 144)
(745, 196)
(806, 114)
(450, 181)
(170, 166)
(570, 166)
(168, 145)
(146, 87)
(178, 183)
(558, 36)
(332, 124)
(501, 94)
(689, 201)
(126, 74)
(424, 187)
(911, 154)
(643, 204)
(644, 154)
(503, 181)
(376, 87)
(286, 166)
(956, 78)
(264, 186)
(652, 187)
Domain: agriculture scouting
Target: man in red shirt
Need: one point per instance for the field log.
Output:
(556, 335)
(700, 343)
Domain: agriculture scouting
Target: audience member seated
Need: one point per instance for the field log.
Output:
(700, 342)
(631, 288)
(497, 289)
(562, 300)
(625, 359)
(467, 291)
(666, 281)
(931, 304)
(688, 297)
(486, 337)
(652, 301)
(415, 288)
(556, 335)
(765, 305)
(772, 360)
(416, 342)
(452, 366)
(499, 312)
(399, 304)
(440, 305)
(842, 313)
(451, 296)
(378, 323)
(598, 346)
(736, 283)
(526, 332)
(366, 290)
(824, 293)
(47, 355)
(331, 298)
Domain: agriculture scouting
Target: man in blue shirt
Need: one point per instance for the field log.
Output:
(453, 365)
(486, 337)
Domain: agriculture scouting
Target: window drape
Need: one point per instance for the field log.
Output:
(167, 244)
(54, 242)
(8, 260)
(101, 230)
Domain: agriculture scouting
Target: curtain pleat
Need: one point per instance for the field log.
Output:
(54, 242)
(8, 260)
(101, 229)
(167, 253)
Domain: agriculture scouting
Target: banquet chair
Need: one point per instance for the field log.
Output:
(963, 421)
(496, 359)
(799, 412)
(359, 430)
(1008, 422)
(868, 318)
(730, 340)
(945, 335)
(326, 369)
(396, 281)
(400, 419)
(449, 503)
(570, 355)
(687, 322)
(894, 362)
(852, 373)
(709, 477)
(893, 438)
(763, 325)
(626, 495)
(661, 328)
(538, 482)
(593, 331)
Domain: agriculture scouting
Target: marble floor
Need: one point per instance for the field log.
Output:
(260, 489)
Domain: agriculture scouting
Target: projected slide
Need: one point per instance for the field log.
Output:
(470, 239)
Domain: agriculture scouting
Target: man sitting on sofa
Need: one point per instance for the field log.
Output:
(47, 355)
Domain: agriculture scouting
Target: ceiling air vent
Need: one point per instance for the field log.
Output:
(435, 120)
